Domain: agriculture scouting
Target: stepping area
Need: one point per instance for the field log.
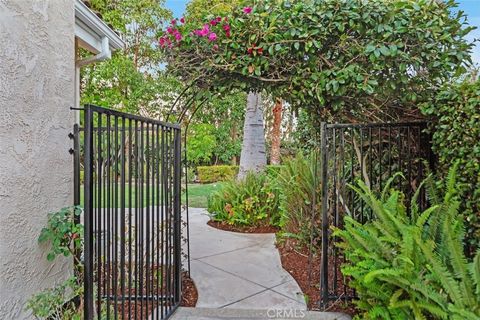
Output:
(237, 270)
(240, 276)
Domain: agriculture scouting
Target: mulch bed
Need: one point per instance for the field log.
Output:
(232, 228)
(143, 309)
(296, 262)
(190, 293)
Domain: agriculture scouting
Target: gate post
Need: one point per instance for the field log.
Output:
(88, 215)
(324, 182)
(177, 215)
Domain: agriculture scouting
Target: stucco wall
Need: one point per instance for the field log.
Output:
(36, 91)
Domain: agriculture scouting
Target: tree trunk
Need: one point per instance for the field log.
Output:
(277, 122)
(253, 157)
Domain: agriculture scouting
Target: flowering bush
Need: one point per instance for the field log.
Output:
(332, 56)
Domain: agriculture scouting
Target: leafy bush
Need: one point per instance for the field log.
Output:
(64, 237)
(411, 265)
(253, 201)
(456, 137)
(299, 183)
(209, 174)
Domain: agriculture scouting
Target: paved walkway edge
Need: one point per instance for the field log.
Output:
(237, 314)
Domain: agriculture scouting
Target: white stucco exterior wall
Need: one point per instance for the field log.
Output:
(36, 91)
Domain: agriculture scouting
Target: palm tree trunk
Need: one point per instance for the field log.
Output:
(253, 156)
(277, 122)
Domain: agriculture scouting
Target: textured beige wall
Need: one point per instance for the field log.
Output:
(36, 91)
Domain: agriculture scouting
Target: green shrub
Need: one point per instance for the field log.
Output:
(63, 236)
(411, 265)
(456, 137)
(299, 183)
(253, 201)
(209, 174)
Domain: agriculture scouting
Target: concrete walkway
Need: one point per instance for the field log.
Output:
(240, 277)
(240, 271)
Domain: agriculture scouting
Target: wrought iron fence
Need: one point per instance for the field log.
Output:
(373, 153)
(132, 216)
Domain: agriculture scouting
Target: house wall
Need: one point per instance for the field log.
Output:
(36, 91)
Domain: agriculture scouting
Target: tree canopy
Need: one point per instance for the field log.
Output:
(351, 59)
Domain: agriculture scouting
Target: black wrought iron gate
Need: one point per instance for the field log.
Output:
(132, 215)
(373, 153)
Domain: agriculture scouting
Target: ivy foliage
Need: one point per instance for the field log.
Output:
(62, 233)
(411, 265)
(455, 115)
(360, 59)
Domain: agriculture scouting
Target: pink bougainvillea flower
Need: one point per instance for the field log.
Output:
(219, 19)
(173, 22)
(178, 36)
(250, 50)
(182, 20)
(213, 22)
(215, 47)
(212, 36)
(170, 30)
(247, 10)
(227, 33)
(260, 51)
(161, 42)
(226, 27)
(203, 32)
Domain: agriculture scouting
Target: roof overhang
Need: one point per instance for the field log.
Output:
(90, 30)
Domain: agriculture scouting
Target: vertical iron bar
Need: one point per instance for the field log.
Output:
(137, 214)
(115, 220)
(88, 192)
(147, 216)
(158, 204)
(163, 218)
(177, 213)
(122, 211)
(130, 209)
(109, 216)
(324, 182)
(142, 214)
(100, 214)
(335, 208)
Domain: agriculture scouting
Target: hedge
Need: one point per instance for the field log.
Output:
(456, 137)
(209, 174)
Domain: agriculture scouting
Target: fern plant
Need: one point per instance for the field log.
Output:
(410, 264)
(299, 181)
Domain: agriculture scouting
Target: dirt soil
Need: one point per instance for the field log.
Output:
(254, 229)
(190, 293)
(307, 275)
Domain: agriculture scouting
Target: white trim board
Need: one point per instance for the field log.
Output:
(90, 29)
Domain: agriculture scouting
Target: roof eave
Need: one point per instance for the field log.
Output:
(90, 30)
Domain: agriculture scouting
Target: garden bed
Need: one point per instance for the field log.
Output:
(296, 262)
(190, 293)
(246, 229)
(143, 309)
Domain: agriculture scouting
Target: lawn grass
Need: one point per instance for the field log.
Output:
(197, 195)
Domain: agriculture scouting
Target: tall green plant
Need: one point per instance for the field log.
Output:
(299, 183)
(253, 201)
(411, 265)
